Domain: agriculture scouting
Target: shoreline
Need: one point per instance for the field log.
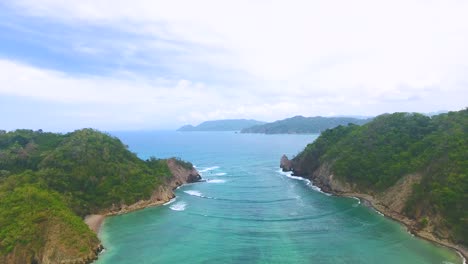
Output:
(409, 224)
(95, 221)
(163, 193)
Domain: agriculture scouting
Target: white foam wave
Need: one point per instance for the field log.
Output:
(358, 201)
(209, 169)
(463, 258)
(220, 174)
(307, 181)
(171, 201)
(194, 193)
(216, 181)
(179, 206)
(285, 173)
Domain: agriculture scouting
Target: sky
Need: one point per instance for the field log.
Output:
(149, 64)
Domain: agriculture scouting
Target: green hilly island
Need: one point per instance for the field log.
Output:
(222, 125)
(412, 167)
(303, 125)
(49, 182)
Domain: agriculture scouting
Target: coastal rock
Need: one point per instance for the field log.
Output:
(285, 163)
(182, 173)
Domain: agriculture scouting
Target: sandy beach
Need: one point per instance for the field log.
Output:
(94, 222)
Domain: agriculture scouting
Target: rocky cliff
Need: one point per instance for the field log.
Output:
(181, 174)
(390, 202)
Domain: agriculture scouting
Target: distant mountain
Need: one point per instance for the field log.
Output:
(222, 125)
(303, 125)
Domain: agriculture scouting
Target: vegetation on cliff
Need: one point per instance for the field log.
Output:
(49, 180)
(376, 155)
(303, 125)
(32, 217)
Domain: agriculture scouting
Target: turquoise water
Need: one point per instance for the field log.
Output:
(250, 212)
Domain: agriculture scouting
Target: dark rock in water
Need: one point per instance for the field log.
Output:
(285, 163)
(193, 177)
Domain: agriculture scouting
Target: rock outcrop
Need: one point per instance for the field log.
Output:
(163, 193)
(285, 163)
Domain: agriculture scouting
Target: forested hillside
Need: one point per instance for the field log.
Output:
(303, 125)
(48, 182)
(375, 156)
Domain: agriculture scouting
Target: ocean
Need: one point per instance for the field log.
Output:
(248, 211)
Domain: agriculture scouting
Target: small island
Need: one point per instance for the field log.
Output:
(222, 125)
(50, 183)
(411, 167)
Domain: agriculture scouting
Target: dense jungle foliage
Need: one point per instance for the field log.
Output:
(53, 179)
(376, 155)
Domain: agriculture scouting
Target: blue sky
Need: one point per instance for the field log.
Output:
(120, 65)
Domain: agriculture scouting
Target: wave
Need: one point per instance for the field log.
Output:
(220, 174)
(199, 194)
(380, 213)
(179, 206)
(258, 201)
(256, 187)
(307, 181)
(294, 219)
(170, 201)
(216, 181)
(209, 169)
(194, 193)
(358, 201)
(461, 255)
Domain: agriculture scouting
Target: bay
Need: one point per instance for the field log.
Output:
(248, 211)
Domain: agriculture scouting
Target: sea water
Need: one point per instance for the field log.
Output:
(248, 211)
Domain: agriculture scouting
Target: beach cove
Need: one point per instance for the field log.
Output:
(249, 211)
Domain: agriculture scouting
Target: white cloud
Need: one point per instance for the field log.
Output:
(280, 40)
(297, 57)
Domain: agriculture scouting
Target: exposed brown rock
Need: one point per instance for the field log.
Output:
(285, 163)
(164, 192)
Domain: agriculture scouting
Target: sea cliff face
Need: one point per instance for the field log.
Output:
(164, 192)
(390, 202)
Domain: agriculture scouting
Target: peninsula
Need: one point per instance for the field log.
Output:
(411, 167)
(50, 183)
